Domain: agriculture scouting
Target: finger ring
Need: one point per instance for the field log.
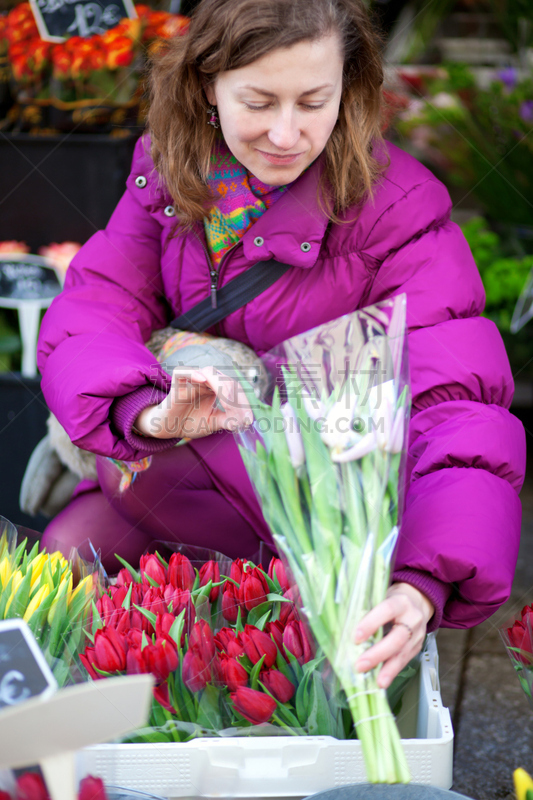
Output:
(405, 625)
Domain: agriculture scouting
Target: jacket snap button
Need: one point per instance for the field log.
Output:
(169, 211)
(259, 241)
(140, 181)
(305, 246)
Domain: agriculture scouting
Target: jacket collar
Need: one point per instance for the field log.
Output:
(293, 228)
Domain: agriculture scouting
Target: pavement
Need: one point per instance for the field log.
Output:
(492, 720)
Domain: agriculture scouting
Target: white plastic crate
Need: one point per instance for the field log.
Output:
(281, 767)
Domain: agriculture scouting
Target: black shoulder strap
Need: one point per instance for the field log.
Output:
(235, 294)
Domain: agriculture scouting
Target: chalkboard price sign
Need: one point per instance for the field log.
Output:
(58, 20)
(26, 278)
(24, 672)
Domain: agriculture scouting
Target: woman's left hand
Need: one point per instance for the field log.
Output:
(409, 610)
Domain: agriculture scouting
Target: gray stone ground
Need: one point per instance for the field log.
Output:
(493, 722)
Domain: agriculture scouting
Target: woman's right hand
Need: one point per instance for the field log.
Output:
(200, 402)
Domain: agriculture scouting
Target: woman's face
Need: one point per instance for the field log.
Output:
(277, 113)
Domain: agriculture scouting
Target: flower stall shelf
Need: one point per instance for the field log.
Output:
(282, 766)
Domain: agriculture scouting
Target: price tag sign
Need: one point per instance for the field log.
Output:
(24, 672)
(58, 20)
(25, 278)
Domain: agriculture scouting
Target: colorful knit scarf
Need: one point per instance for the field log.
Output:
(241, 199)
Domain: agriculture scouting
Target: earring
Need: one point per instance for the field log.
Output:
(213, 119)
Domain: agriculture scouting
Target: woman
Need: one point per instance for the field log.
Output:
(296, 171)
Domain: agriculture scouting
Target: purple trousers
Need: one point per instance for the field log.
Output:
(175, 500)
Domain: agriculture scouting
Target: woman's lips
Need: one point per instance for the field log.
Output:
(274, 159)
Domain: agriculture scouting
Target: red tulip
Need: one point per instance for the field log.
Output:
(236, 569)
(150, 565)
(118, 595)
(232, 673)
(161, 658)
(135, 664)
(230, 602)
(254, 706)
(124, 578)
(196, 673)
(258, 643)
(276, 571)
(92, 789)
(275, 629)
(278, 685)
(201, 639)
(287, 612)
(105, 607)
(520, 637)
(30, 786)
(121, 621)
(210, 571)
(296, 641)
(161, 695)
(87, 659)
(229, 641)
(163, 624)
(253, 589)
(180, 572)
(153, 600)
(109, 650)
(134, 638)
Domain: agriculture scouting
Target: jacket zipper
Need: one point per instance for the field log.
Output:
(214, 275)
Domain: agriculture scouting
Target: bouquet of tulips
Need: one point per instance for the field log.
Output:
(326, 460)
(518, 640)
(225, 644)
(39, 588)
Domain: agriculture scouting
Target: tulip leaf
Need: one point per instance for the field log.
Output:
(21, 598)
(279, 598)
(144, 640)
(176, 629)
(239, 627)
(301, 700)
(319, 721)
(295, 664)
(97, 619)
(33, 552)
(151, 581)
(256, 669)
(18, 553)
(183, 701)
(150, 616)
(203, 591)
(262, 621)
(58, 623)
(126, 603)
(283, 710)
(208, 709)
(133, 572)
(161, 560)
(257, 613)
(272, 585)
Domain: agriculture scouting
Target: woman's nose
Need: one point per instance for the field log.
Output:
(284, 132)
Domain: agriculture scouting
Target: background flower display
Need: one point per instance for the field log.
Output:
(476, 138)
(98, 71)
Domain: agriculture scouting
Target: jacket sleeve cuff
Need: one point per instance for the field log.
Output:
(436, 590)
(125, 411)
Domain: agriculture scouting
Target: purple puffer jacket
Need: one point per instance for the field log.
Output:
(466, 462)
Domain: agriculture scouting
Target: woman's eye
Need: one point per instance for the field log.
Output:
(257, 108)
(303, 105)
(313, 108)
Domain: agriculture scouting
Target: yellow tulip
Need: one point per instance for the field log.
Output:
(36, 601)
(36, 566)
(84, 585)
(56, 558)
(5, 572)
(522, 783)
(15, 583)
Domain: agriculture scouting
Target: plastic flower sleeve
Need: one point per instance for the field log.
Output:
(52, 594)
(326, 457)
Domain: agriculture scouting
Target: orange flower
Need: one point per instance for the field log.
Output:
(14, 247)
(39, 54)
(20, 24)
(120, 53)
(154, 21)
(61, 254)
(61, 62)
(129, 27)
(143, 11)
(174, 26)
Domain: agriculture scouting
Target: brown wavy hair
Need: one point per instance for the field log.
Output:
(229, 34)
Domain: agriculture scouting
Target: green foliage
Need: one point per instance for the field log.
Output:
(503, 275)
